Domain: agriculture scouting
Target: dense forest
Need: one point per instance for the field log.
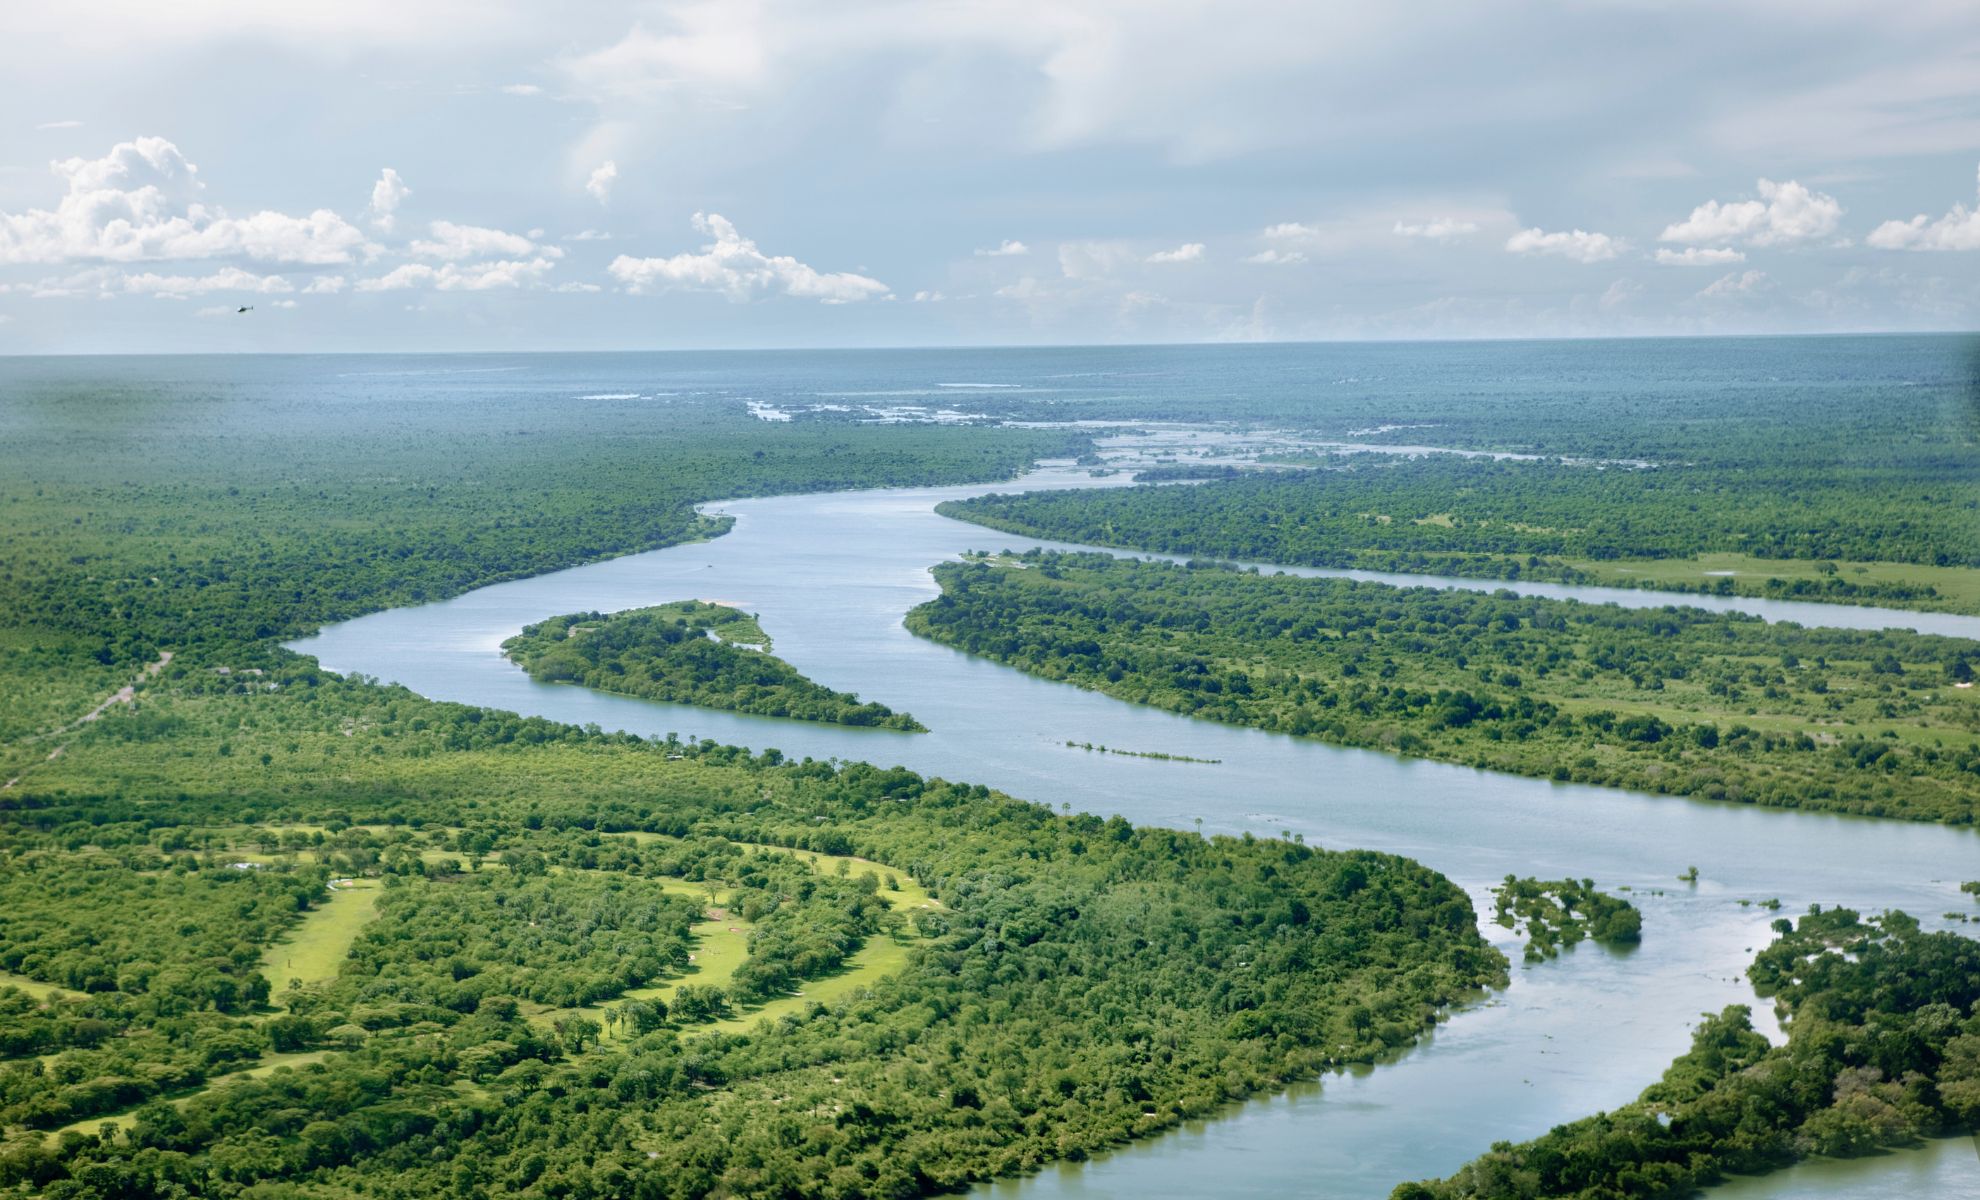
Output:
(1883, 1048)
(1798, 532)
(269, 932)
(1073, 982)
(1674, 700)
(1803, 468)
(688, 652)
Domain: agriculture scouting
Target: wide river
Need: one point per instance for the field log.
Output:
(831, 575)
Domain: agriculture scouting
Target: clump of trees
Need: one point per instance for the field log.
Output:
(1557, 913)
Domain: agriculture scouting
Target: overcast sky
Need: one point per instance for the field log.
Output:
(487, 174)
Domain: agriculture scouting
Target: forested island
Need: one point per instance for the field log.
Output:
(688, 652)
(1822, 477)
(1883, 1048)
(1903, 539)
(1675, 700)
(1557, 913)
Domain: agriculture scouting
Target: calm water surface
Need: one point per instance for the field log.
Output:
(831, 577)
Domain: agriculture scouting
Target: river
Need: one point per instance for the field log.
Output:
(831, 576)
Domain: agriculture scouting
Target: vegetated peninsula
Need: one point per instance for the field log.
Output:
(1883, 1048)
(688, 652)
(1675, 700)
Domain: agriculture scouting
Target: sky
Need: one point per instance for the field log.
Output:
(492, 174)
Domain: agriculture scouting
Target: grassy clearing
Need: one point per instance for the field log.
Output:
(318, 947)
(880, 957)
(722, 944)
(268, 1065)
(34, 987)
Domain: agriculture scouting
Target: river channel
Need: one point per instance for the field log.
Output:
(831, 576)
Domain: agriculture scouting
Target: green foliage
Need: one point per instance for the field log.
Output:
(687, 652)
(1549, 521)
(1883, 1048)
(1681, 701)
(199, 510)
(1082, 982)
(1561, 912)
(185, 938)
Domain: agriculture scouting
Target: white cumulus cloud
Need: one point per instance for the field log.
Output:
(1275, 257)
(1440, 229)
(1187, 252)
(602, 178)
(141, 202)
(1576, 244)
(1739, 283)
(1008, 249)
(1699, 256)
(227, 279)
(460, 277)
(1786, 212)
(385, 197)
(453, 242)
(1959, 229)
(732, 265)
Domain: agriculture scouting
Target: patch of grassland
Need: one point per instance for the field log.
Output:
(722, 945)
(1957, 588)
(268, 1065)
(319, 945)
(34, 987)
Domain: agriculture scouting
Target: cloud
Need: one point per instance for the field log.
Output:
(141, 202)
(522, 89)
(732, 265)
(1441, 229)
(1577, 244)
(460, 277)
(1187, 252)
(1093, 260)
(1619, 294)
(928, 297)
(454, 242)
(227, 279)
(602, 178)
(1009, 249)
(1275, 257)
(59, 125)
(1291, 231)
(385, 197)
(714, 45)
(589, 235)
(1697, 256)
(1959, 229)
(1786, 212)
(325, 285)
(1739, 283)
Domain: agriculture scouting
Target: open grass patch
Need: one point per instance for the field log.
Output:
(317, 949)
